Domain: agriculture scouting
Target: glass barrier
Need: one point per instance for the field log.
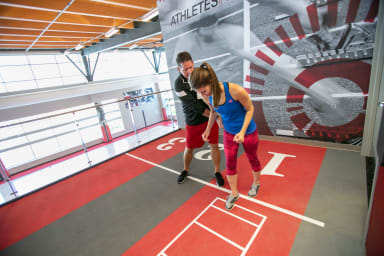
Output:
(38, 151)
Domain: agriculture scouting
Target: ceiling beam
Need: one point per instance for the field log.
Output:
(142, 30)
(35, 33)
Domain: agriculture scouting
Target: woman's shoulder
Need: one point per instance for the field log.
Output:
(233, 85)
(235, 89)
(230, 85)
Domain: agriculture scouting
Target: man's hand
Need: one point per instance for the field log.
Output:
(205, 136)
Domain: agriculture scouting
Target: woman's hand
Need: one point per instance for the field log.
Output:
(239, 138)
(205, 136)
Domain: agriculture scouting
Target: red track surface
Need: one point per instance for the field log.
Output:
(33, 212)
(276, 236)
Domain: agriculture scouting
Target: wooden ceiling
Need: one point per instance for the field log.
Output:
(64, 24)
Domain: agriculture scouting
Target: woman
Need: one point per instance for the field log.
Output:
(234, 105)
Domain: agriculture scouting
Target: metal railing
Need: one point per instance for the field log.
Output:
(13, 191)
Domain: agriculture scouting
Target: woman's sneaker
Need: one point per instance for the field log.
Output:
(182, 177)
(254, 190)
(219, 179)
(231, 201)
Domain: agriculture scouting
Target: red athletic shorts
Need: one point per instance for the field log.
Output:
(193, 134)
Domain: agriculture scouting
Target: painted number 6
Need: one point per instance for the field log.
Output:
(171, 142)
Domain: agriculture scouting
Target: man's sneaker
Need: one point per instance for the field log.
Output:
(254, 189)
(231, 201)
(182, 177)
(219, 179)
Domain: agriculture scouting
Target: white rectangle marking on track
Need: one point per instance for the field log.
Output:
(235, 216)
(220, 236)
(185, 229)
(195, 221)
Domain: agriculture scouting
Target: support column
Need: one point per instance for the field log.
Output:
(87, 66)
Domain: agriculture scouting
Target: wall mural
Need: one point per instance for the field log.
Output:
(306, 64)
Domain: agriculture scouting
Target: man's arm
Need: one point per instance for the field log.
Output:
(189, 100)
(212, 114)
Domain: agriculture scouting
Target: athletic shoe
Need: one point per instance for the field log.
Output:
(254, 189)
(182, 177)
(230, 203)
(219, 179)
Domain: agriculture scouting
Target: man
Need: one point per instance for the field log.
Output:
(196, 114)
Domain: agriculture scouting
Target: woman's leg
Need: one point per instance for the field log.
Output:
(230, 150)
(250, 144)
(232, 180)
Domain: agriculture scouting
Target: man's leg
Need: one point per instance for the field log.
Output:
(187, 158)
(192, 141)
(188, 155)
(215, 155)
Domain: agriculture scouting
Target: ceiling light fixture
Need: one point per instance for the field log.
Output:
(132, 46)
(79, 46)
(150, 15)
(111, 32)
(120, 4)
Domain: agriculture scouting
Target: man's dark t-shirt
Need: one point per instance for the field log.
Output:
(193, 107)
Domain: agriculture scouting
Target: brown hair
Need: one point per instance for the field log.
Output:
(183, 57)
(205, 75)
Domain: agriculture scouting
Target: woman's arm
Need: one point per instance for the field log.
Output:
(211, 120)
(238, 93)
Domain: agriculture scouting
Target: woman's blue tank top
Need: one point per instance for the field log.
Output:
(233, 114)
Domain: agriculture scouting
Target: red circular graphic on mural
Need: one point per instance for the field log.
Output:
(357, 72)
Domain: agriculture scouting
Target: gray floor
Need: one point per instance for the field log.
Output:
(110, 224)
(339, 199)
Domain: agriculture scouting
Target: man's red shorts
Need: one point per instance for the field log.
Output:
(193, 134)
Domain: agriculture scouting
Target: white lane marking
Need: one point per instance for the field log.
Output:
(186, 228)
(235, 216)
(268, 205)
(220, 236)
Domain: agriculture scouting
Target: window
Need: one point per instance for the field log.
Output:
(122, 63)
(46, 71)
(41, 59)
(74, 79)
(13, 60)
(25, 72)
(16, 73)
(20, 86)
(50, 82)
